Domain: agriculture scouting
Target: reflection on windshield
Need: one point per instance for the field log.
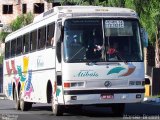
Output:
(84, 40)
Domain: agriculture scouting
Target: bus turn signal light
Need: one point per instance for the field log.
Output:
(67, 85)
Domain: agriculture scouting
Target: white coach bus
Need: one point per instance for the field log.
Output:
(75, 56)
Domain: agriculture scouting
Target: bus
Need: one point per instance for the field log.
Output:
(72, 56)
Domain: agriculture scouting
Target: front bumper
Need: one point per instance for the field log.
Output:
(88, 97)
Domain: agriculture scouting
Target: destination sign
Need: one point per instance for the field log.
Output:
(114, 24)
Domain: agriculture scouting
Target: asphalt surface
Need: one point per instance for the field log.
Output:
(145, 111)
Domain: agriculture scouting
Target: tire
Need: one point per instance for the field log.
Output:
(56, 108)
(77, 109)
(24, 106)
(118, 109)
(17, 101)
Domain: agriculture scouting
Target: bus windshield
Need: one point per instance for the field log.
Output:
(102, 40)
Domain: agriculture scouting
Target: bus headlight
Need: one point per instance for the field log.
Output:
(73, 84)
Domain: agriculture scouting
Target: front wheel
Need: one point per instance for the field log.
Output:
(17, 101)
(56, 108)
(24, 106)
(118, 109)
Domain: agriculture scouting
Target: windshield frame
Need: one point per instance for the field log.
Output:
(140, 45)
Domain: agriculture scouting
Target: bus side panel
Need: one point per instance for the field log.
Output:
(32, 71)
(42, 67)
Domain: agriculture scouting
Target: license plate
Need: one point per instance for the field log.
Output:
(107, 96)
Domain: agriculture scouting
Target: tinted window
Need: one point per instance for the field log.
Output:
(33, 40)
(13, 48)
(50, 34)
(26, 43)
(19, 45)
(41, 37)
(7, 50)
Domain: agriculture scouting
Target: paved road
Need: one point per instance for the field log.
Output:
(43, 112)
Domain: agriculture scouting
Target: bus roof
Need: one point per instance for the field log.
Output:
(79, 11)
(70, 11)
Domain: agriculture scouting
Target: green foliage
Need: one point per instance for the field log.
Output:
(21, 21)
(3, 35)
(1, 59)
(17, 23)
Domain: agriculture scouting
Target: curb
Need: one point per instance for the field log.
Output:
(153, 101)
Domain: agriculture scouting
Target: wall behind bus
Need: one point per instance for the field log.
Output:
(1, 78)
(17, 7)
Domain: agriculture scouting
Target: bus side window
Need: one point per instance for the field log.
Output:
(50, 34)
(26, 43)
(33, 40)
(19, 45)
(13, 47)
(7, 50)
(41, 37)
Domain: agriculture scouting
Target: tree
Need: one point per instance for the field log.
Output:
(20, 21)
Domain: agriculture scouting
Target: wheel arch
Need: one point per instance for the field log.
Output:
(14, 87)
(49, 91)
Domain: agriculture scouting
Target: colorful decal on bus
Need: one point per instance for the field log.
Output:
(28, 85)
(130, 69)
(115, 70)
(20, 76)
(9, 89)
(9, 70)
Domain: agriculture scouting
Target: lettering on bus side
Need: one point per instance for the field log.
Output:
(86, 73)
(40, 62)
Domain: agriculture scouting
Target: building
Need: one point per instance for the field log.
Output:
(10, 9)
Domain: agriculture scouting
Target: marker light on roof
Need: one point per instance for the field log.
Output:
(69, 15)
(101, 9)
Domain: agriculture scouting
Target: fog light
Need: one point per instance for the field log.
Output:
(138, 82)
(131, 82)
(77, 84)
(73, 97)
(138, 96)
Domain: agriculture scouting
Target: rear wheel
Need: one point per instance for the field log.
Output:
(56, 108)
(17, 101)
(24, 106)
(118, 109)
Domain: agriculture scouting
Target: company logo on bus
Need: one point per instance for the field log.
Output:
(107, 84)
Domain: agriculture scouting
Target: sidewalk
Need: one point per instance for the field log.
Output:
(152, 100)
(2, 96)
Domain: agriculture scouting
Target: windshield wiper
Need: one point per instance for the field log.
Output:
(121, 57)
(76, 54)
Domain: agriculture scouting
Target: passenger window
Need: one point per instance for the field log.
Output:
(33, 40)
(19, 45)
(26, 43)
(13, 48)
(50, 34)
(7, 50)
(41, 37)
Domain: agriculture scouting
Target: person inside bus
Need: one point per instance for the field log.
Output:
(112, 52)
(75, 41)
(94, 50)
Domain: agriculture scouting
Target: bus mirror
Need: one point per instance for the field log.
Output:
(144, 37)
(59, 33)
(58, 51)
